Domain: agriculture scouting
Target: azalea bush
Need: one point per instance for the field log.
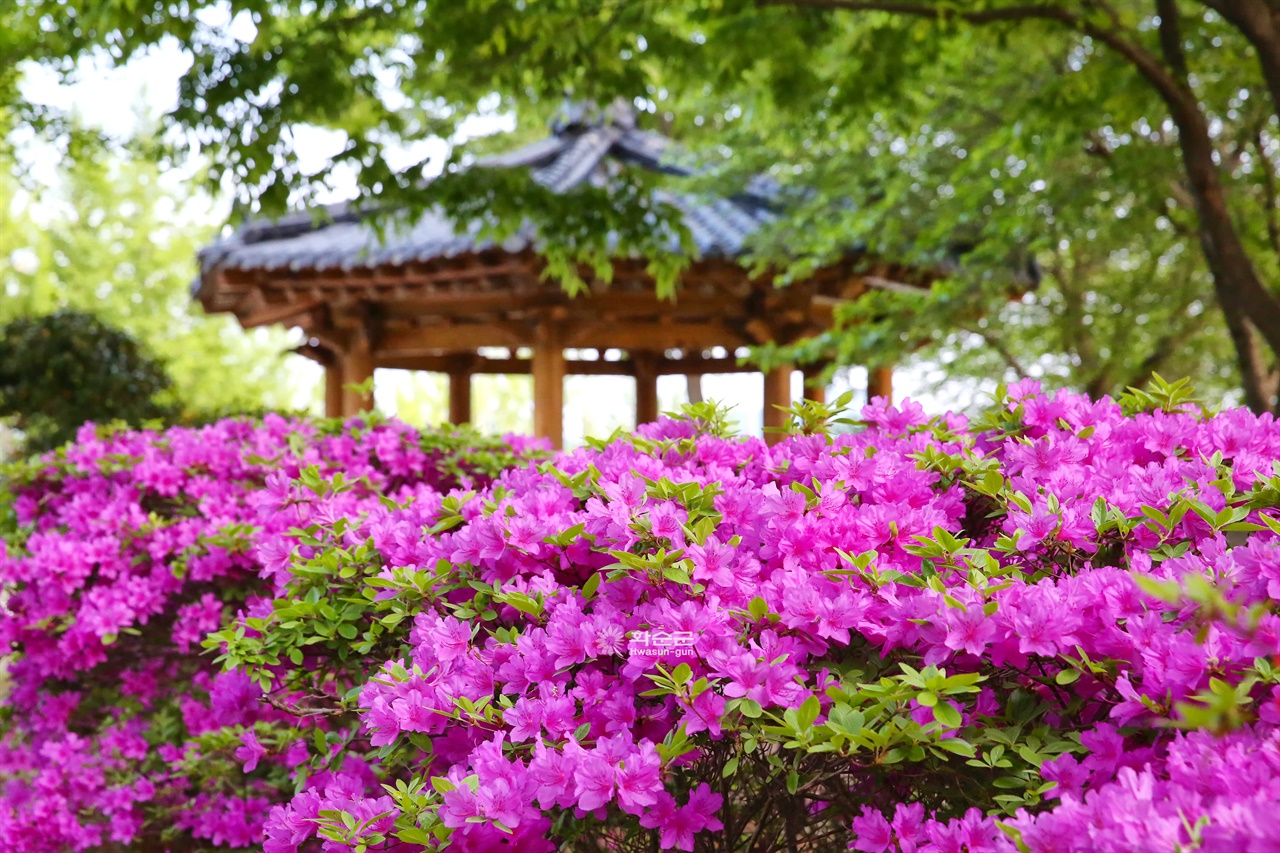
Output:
(119, 554)
(1053, 629)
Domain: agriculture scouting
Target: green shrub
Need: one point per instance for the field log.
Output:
(62, 369)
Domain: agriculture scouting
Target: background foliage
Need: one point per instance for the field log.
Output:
(115, 239)
(926, 131)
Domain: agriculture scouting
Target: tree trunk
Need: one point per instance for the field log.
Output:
(1236, 283)
(1258, 22)
(1256, 377)
(1247, 304)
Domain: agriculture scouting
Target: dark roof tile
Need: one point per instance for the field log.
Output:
(578, 152)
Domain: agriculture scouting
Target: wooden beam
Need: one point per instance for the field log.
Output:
(599, 368)
(548, 384)
(895, 286)
(760, 331)
(880, 382)
(270, 314)
(440, 338)
(410, 301)
(702, 366)
(448, 364)
(653, 336)
(646, 374)
(695, 365)
(333, 390)
(777, 392)
(448, 303)
(334, 340)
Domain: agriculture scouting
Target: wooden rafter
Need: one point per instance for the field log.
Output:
(662, 366)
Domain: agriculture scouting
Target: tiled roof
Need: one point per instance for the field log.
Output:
(583, 148)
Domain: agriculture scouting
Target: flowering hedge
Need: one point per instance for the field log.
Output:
(1050, 630)
(120, 553)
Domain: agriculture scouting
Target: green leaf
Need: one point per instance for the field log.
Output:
(1010, 782)
(845, 719)
(808, 712)
(1167, 591)
(1067, 676)
(957, 746)
(414, 835)
(947, 714)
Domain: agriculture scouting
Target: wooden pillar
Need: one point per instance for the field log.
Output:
(460, 396)
(814, 388)
(880, 382)
(693, 382)
(777, 392)
(333, 388)
(548, 385)
(646, 374)
(357, 368)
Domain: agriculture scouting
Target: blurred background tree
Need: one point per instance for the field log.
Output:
(1054, 155)
(59, 370)
(113, 241)
(1130, 148)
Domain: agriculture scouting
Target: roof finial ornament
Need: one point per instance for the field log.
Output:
(573, 115)
(621, 114)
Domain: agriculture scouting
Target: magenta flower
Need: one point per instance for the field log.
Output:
(414, 712)
(678, 825)
(815, 568)
(250, 751)
(872, 833)
(593, 782)
(638, 780)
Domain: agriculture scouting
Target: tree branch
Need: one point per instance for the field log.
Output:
(1256, 378)
(1258, 23)
(1165, 348)
(1003, 351)
(1179, 99)
(921, 10)
(1171, 40)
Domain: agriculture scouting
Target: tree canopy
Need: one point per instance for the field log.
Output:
(113, 240)
(1130, 145)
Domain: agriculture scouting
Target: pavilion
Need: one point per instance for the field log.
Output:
(434, 297)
